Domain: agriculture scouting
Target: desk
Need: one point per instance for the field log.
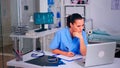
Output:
(33, 35)
(72, 64)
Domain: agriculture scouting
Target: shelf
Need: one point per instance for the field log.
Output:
(74, 8)
(72, 5)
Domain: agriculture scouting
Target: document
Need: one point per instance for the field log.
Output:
(69, 58)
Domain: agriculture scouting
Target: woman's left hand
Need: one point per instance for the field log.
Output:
(77, 34)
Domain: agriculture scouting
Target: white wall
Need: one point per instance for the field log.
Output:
(26, 14)
(103, 17)
(20, 16)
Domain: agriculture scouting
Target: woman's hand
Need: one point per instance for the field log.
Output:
(57, 51)
(70, 54)
(82, 44)
(77, 34)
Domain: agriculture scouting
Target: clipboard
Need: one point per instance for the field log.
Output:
(45, 61)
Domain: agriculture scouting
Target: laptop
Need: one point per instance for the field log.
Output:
(98, 54)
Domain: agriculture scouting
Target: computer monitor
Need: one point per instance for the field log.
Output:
(42, 18)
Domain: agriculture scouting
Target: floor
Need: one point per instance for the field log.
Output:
(6, 58)
(8, 55)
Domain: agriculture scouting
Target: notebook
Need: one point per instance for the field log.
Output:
(76, 57)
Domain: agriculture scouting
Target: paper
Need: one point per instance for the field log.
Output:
(69, 58)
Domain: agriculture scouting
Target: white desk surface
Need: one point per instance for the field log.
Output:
(33, 34)
(72, 64)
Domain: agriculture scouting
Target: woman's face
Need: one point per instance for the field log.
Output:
(78, 25)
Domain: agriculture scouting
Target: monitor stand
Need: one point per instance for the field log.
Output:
(42, 29)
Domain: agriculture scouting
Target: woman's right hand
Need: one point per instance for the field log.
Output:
(70, 54)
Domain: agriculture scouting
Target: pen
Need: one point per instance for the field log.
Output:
(55, 55)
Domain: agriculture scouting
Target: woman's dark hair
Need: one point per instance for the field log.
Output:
(72, 18)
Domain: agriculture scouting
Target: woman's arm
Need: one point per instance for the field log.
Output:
(57, 51)
(82, 44)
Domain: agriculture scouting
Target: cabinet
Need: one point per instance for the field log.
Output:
(70, 8)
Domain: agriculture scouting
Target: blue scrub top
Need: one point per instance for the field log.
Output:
(64, 41)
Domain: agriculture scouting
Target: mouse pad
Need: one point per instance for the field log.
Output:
(46, 61)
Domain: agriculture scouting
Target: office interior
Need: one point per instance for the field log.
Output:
(101, 22)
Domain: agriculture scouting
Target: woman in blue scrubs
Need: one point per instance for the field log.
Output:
(72, 39)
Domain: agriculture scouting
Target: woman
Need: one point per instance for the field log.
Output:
(72, 39)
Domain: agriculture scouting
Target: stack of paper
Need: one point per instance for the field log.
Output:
(69, 58)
